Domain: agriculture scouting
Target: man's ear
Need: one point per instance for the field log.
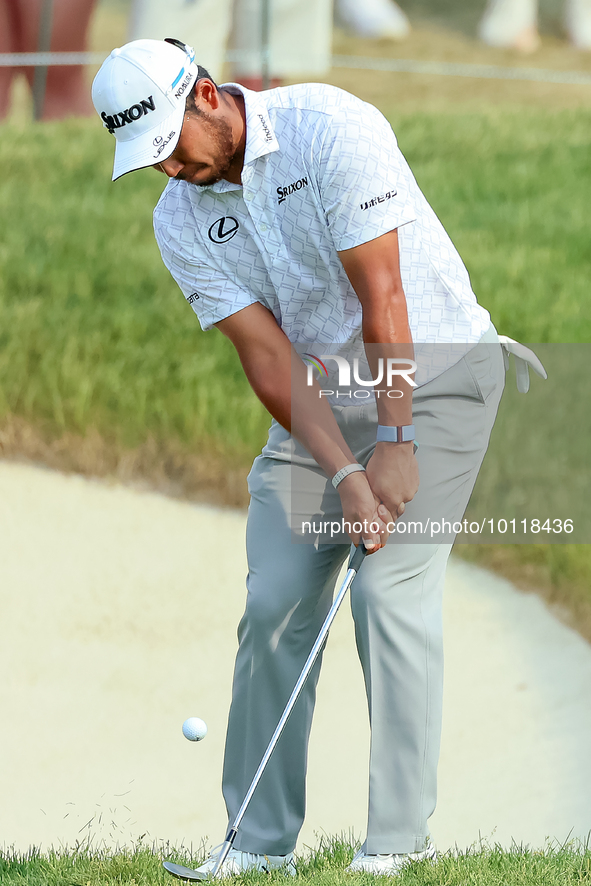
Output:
(206, 95)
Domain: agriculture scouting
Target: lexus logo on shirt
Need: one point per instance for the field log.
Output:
(223, 229)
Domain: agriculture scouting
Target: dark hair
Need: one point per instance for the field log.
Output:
(201, 72)
(190, 105)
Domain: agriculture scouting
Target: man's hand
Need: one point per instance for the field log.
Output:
(378, 497)
(393, 475)
(362, 507)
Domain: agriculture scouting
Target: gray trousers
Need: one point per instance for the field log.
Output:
(396, 605)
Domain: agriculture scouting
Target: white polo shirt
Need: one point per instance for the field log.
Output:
(322, 173)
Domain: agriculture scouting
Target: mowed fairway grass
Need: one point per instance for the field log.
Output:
(101, 355)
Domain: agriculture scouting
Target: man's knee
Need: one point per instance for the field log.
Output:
(406, 579)
(279, 599)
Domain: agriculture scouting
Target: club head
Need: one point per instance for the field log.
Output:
(183, 873)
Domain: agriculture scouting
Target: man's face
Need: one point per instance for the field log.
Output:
(204, 152)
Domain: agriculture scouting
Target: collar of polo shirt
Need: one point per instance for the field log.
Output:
(260, 135)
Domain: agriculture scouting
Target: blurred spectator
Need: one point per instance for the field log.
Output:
(514, 24)
(65, 90)
(300, 34)
(373, 18)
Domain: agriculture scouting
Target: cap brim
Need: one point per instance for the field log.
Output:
(151, 147)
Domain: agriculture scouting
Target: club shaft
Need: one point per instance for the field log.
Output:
(228, 843)
(314, 652)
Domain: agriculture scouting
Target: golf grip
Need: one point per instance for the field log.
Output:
(355, 561)
(357, 557)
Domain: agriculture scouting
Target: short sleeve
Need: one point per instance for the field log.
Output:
(366, 186)
(212, 294)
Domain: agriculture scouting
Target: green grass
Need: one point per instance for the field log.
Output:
(96, 338)
(509, 186)
(537, 465)
(94, 332)
(479, 866)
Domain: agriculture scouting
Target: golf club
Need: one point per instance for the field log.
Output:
(183, 873)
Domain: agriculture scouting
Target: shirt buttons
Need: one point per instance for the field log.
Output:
(248, 195)
(264, 227)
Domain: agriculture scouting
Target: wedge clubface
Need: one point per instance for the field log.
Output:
(183, 873)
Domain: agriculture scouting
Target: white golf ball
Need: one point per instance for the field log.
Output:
(194, 729)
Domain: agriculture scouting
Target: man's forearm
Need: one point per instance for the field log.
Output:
(390, 363)
(278, 377)
(374, 271)
(280, 382)
(313, 422)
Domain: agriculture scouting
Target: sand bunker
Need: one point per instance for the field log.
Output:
(119, 614)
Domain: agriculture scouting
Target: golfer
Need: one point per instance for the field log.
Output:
(292, 223)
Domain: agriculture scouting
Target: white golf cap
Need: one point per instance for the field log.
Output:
(140, 94)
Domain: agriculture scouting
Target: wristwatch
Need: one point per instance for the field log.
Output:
(395, 434)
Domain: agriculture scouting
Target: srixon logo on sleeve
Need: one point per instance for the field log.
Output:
(121, 118)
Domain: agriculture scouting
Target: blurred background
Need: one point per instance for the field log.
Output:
(554, 34)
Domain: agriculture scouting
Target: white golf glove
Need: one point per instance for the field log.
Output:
(524, 357)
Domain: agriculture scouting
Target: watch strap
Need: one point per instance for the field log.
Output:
(344, 472)
(395, 434)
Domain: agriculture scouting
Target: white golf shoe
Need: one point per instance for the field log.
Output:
(390, 865)
(238, 862)
(373, 18)
(511, 24)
